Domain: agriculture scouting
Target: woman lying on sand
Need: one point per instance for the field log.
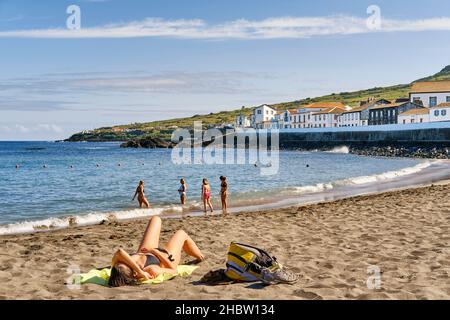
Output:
(150, 261)
(141, 195)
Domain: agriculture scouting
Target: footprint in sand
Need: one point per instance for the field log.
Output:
(307, 295)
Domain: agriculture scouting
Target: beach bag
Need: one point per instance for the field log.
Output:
(246, 263)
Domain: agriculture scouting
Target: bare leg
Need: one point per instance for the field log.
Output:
(210, 205)
(204, 205)
(151, 234)
(181, 241)
(145, 201)
(224, 204)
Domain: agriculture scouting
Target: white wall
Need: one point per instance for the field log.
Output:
(384, 127)
(326, 120)
(439, 114)
(425, 97)
(263, 113)
(242, 122)
(413, 118)
(351, 119)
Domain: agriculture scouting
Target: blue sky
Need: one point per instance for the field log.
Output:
(136, 61)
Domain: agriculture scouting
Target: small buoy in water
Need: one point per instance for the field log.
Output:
(143, 164)
(307, 165)
(44, 166)
(71, 166)
(98, 165)
(119, 164)
(17, 166)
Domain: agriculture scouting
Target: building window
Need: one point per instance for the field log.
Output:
(416, 99)
(436, 113)
(259, 111)
(412, 120)
(448, 99)
(404, 121)
(421, 120)
(433, 101)
(443, 113)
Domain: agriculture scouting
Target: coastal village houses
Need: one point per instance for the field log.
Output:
(440, 112)
(242, 122)
(316, 115)
(359, 116)
(430, 93)
(418, 115)
(262, 117)
(388, 113)
(429, 101)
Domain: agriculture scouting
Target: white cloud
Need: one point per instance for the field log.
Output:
(271, 28)
(38, 128)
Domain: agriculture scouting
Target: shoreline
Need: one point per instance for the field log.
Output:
(424, 173)
(330, 245)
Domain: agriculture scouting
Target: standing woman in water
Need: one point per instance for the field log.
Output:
(224, 193)
(141, 195)
(182, 191)
(206, 195)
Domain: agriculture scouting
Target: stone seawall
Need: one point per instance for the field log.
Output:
(423, 143)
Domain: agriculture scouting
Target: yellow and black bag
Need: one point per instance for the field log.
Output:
(244, 262)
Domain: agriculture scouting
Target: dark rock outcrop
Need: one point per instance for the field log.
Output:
(149, 143)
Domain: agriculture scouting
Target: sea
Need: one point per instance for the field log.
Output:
(51, 185)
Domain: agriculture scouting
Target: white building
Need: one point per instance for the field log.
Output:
(418, 115)
(242, 122)
(430, 93)
(262, 117)
(327, 118)
(356, 117)
(440, 112)
(303, 118)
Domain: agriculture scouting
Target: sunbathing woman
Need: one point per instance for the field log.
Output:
(206, 195)
(150, 260)
(141, 195)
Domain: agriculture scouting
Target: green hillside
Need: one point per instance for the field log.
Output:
(164, 128)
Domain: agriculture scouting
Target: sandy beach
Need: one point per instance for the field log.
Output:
(330, 245)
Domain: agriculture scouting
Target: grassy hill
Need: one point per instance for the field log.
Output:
(164, 128)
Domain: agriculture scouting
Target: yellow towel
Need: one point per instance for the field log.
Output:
(101, 277)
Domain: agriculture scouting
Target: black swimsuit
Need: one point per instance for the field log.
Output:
(152, 260)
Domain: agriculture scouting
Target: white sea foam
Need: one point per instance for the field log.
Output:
(96, 218)
(342, 149)
(83, 220)
(389, 175)
(362, 179)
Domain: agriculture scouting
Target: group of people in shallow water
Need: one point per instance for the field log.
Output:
(182, 190)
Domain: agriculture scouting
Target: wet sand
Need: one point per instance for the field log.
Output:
(330, 245)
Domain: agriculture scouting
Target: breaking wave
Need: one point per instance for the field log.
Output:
(55, 223)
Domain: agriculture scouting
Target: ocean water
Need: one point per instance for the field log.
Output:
(85, 180)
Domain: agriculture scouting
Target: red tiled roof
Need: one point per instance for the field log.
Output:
(430, 86)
